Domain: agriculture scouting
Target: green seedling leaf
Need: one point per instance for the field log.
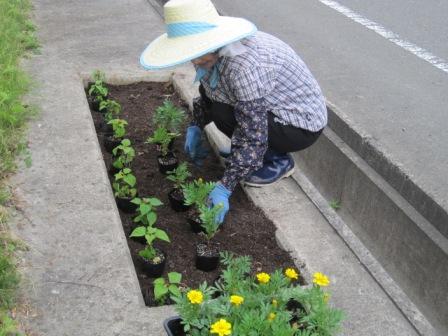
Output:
(152, 218)
(160, 291)
(159, 281)
(155, 201)
(137, 201)
(174, 277)
(144, 209)
(138, 232)
(174, 290)
(162, 235)
(130, 179)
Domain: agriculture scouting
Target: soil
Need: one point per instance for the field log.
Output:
(246, 230)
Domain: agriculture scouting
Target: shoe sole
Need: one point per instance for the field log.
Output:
(259, 185)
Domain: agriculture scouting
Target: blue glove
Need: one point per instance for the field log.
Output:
(193, 145)
(220, 194)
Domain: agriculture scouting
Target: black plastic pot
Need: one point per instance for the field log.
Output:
(194, 221)
(104, 127)
(176, 198)
(110, 142)
(125, 205)
(207, 257)
(112, 170)
(153, 270)
(167, 163)
(173, 327)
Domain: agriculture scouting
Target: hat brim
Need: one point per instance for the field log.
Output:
(166, 52)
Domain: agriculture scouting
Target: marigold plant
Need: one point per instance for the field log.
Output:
(262, 304)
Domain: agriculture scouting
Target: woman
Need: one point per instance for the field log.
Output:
(254, 87)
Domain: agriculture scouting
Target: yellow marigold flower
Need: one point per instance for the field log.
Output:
(195, 296)
(236, 300)
(326, 297)
(271, 316)
(263, 277)
(321, 279)
(291, 274)
(274, 302)
(221, 327)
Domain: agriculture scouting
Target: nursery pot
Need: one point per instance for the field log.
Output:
(173, 327)
(167, 163)
(194, 221)
(94, 103)
(112, 170)
(104, 127)
(207, 257)
(125, 204)
(151, 269)
(110, 142)
(176, 198)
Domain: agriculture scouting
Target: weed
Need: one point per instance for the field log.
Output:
(335, 204)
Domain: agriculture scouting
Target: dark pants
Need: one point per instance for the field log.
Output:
(281, 138)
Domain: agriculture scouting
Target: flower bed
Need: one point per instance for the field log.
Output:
(246, 230)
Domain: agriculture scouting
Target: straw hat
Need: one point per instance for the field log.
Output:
(194, 28)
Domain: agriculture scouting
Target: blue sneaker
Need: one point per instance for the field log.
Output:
(275, 167)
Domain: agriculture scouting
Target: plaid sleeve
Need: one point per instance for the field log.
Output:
(252, 83)
(249, 142)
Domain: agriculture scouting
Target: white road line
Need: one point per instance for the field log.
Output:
(391, 36)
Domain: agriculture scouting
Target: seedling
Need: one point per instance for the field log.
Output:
(209, 220)
(124, 184)
(162, 137)
(196, 192)
(169, 117)
(112, 108)
(119, 127)
(148, 217)
(146, 214)
(123, 154)
(179, 175)
(162, 287)
(97, 90)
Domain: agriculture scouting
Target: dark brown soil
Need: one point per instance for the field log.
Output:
(246, 230)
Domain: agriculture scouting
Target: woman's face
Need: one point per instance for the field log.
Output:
(207, 61)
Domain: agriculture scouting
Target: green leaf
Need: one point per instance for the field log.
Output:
(174, 277)
(130, 179)
(162, 235)
(152, 218)
(136, 201)
(174, 290)
(144, 209)
(155, 201)
(159, 281)
(138, 232)
(160, 291)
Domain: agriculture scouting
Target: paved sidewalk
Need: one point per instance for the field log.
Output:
(78, 269)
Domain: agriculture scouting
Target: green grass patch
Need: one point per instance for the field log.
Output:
(16, 40)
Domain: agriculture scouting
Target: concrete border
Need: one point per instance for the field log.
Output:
(394, 173)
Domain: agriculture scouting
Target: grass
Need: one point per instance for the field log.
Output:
(16, 40)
